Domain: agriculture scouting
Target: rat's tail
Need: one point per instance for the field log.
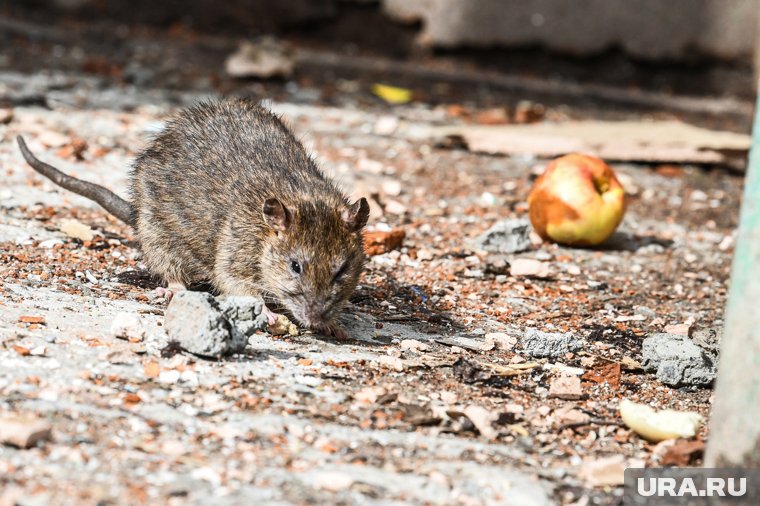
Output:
(103, 196)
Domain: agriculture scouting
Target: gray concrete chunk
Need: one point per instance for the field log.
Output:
(204, 326)
(677, 360)
(548, 344)
(507, 236)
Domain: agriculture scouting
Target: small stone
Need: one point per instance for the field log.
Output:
(414, 345)
(391, 187)
(448, 397)
(38, 351)
(6, 115)
(385, 125)
(395, 207)
(53, 139)
(483, 420)
(23, 432)
(77, 230)
(568, 415)
(169, 377)
(501, 340)
(547, 344)
(677, 360)
(151, 370)
(127, 326)
(369, 394)
(333, 481)
(682, 329)
(566, 387)
(508, 236)
(527, 267)
(602, 472)
(118, 357)
(50, 243)
(497, 264)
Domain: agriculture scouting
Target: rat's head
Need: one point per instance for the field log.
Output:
(313, 257)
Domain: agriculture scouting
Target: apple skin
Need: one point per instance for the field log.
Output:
(577, 201)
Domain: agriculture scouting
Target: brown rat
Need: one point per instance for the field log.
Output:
(226, 194)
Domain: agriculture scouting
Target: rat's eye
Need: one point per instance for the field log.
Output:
(295, 267)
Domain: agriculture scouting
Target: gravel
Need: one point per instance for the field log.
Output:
(677, 360)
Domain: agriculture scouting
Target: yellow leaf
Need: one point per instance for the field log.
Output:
(392, 94)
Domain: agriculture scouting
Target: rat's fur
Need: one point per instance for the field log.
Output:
(226, 194)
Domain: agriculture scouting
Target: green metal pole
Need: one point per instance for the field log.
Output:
(735, 422)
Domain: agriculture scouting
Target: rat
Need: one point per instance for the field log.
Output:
(226, 195)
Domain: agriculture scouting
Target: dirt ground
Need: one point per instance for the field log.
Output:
(395, 414)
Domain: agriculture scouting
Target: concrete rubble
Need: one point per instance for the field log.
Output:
(677, 360)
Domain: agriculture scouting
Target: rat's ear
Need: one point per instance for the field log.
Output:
(276, 215)
(356, 215)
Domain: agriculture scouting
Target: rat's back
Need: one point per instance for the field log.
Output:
(212, 163)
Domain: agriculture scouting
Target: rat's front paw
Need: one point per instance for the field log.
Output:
(271, 315)
(336, 331)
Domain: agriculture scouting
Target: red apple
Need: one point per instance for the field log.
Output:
(577, 201)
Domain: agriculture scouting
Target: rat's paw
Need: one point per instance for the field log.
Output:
(271, 315)
(169, 292)
(336, 331)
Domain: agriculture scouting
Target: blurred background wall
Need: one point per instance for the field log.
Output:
(654, 29)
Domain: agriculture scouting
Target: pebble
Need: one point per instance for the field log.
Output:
(385, 125)
(127, 326)
(508, 236)
(50, 243)
(333, 481)
(169, 377)
(77, 230)
(38, 351)
(527, 267)
(24, 432)
(606, 471)
(677, 360)
(497, 264)
(53, 139)
(414, 345)
(369, 394)
(6, 115)
(394, 207)
(483, 420)
(391, 187)
(547, 344)
(566, 387)
(682, 329)
(571, 415)
(501, 340)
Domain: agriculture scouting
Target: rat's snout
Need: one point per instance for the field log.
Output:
(314, 315)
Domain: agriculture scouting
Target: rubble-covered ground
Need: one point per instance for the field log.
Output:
(460, 383)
